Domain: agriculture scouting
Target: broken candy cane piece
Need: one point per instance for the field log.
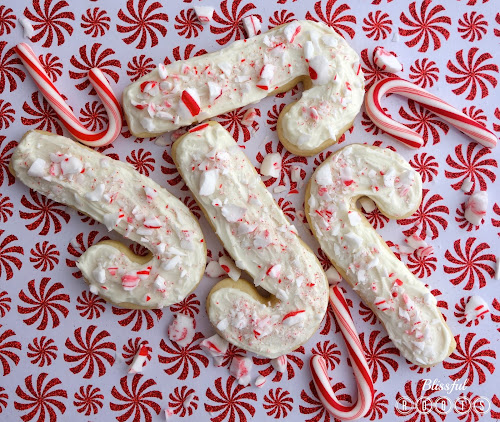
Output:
(252, 25)
(240, 369)
(271, 165)
(216, 347)
(204, 14)
(214, 270)
(476, 207)
(466, 185)
(415, 241)
(292, 30)
(182, 330)
(130, 281)
(260, 381)
(497, 267)
(333, 276)
(280, 363)
(27, 27)
(139, 359)
(187, 401)
(295, 176)
(319, 70)
(189, 105)
(385, 60)
(169, 413)
(476, 308)
(249, 117)
(208, 182)
(228, 265)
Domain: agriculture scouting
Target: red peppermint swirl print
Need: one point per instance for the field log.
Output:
(313, 409)
(471, 359)
(8, 351)
(138, 317)
(7, 20)
(9, 255)
(137, 401)
(90, 350)
(44, 212)
(5, 208)
(377, 25)
(142, 22)
(9, 68)
(50, 19)
(7, 114)
(88, 400)
(44, 303)
(230, 21)
(425, 25)
(418, 411)
(42, 400)
(232, 403)
(334, 16)
(177, 401)
(42, 351)
(187, 24)
(95, 22)
(278, 403)
(42, 115)
(378, 355)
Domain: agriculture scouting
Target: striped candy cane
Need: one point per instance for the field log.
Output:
(56, 101)
(439, 107)
(360, 367)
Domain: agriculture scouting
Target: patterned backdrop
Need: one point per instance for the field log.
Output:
(64, 352)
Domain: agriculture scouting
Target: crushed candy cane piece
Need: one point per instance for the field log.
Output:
(215, 346)
(139, 359)
(252, 25)
(260, 381)
(233, 213)
(241, 369)
(295, 176)
(291, 31)
(280, 363)
(324, 176)
(208, 182)
(182, 330)
(333, 276)
(214, 270)
(28, 29)
(38, 168)
(475, 207)
(130, 281)
(475, 308)
(169, 413)
(381, 304)
(415, 241)
(497, 267)
(204, 14)
(249, 117)
(150, 193)
(319, 70)
(189, 105)
(228, 265)
(466, 185)
(271, 165)
(385, 60)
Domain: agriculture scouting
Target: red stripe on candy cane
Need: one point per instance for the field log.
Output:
(56, 101)
(455, 117)
(360, 366)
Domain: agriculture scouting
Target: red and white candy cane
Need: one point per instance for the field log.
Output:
(360, 367)
(56, 101)
(461, 121)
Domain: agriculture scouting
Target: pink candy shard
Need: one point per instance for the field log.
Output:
(130, 281)
(260, 381)
(216, 347)
(182, 330)
(280, 363)
(249, 117)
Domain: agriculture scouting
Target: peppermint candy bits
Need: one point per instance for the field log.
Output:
(216, 347)
(139, 359)
(271, 165)
(387, 61)
(241, 369)
(182, 330)
(475, 207)
(476, 308)
(204, 14)
(252, 25)
(189, 105)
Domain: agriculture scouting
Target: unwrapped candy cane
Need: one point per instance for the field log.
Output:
(357, 357)
(57, 102)
(461, 121)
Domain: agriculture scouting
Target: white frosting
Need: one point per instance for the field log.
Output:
(405, 306)
(130, 204)
(268, 249)
(249, 70)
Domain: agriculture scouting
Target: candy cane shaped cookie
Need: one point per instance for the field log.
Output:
(201, 87)
(461, 121)
(262, 242)
(133, 205)
(401, 302)
(57, 102)
(362, 374)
